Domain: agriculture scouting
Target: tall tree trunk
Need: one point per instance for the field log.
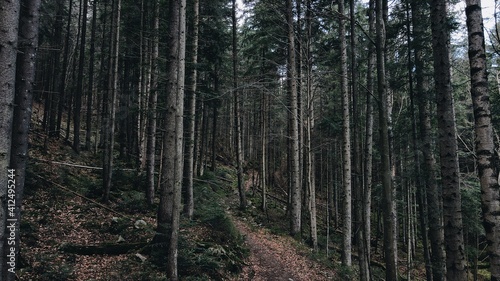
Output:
(237, 114)
(487, 158)
(143, 118)
(309, 153)
(450, 173)
(437, 270)
(429, 168)
(358, 160)
(171, 184)
(264, 163)
(25, 78)
(190, 124)
(295, 188)
(9, 21)
(80, 87)
(419, 179)
(64, 73)
(111, 103)
(90, 94)
(346, 142)
(368, 168)
(152, 114)
(390, 243)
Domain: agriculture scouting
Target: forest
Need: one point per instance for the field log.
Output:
(249, 140)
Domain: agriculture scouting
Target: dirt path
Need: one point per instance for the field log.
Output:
(275, 258)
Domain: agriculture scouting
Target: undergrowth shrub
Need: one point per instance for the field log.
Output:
(221, 250)
(50, 270)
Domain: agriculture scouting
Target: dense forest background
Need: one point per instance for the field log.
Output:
(369, 127)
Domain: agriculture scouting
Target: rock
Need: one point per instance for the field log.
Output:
(140, 224)
(141, 257)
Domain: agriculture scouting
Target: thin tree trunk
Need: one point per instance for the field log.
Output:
(237, 114)
(346, 142)
(436, 234)
(487, 158)
(368, 168)
(111, 104)
(80, 87)
(295, 188)
(419, 179)
(64, 73)
(309, 153)
(189, 156)
(152, 114)
(91, 78)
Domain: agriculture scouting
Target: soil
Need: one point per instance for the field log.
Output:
(274, 257)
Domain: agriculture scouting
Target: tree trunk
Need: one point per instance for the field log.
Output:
(90, 94)
(436, 234)
(390, 243)
(9, 21)
(237, 114)
(419, 179)
(368, 168)
(25, 78)
(80, 87)
(450, 173)
(310, 162)
(295, 188)
(346, 142)
(152, 114)
(171, 183)
(487, 158)
(111, 103)
(189, 156)
(64, 73)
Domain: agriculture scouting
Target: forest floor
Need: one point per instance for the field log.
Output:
(275, 257)
(64, 221)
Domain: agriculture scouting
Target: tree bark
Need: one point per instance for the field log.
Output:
(237, 114)
(9, 22)
(368, 168)
(152, 114)
(190, 156)
(452, 213)
(429, 168)
(79, 86)
(170, 188)
(90, 94)
(111, 104)
(346, 142)
(389, 215)
(487, 158)
(295, 188)
(309, 122)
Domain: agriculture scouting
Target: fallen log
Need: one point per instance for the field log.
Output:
(102, 249)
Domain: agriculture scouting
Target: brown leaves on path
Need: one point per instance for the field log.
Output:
(275, 258)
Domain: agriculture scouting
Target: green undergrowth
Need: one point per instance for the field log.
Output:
(210, 246)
